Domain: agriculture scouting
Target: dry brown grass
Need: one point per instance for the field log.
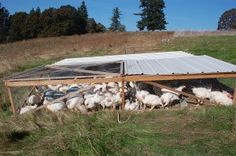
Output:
(14, 54)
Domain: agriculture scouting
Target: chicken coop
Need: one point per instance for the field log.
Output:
(150, 68)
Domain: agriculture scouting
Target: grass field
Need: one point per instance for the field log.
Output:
(195, 131)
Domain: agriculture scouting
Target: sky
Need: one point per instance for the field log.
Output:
(180, 14)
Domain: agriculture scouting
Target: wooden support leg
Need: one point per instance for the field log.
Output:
(11, 100)
(123, 95)
(234, 99)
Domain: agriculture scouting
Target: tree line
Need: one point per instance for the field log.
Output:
(68, 20)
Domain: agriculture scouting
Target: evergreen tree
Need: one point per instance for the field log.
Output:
(4, 23)
(33, 26)
(82, 18)
(83, 11)
(152, 15)
(116, 25)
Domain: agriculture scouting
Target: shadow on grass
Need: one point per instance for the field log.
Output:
(16, 136)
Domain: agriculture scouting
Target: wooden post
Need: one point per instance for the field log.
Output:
(11, 100)
(123, 95)
(234, 99)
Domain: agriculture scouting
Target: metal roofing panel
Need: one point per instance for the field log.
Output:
(184, 65)
(115, 58)
(162, 63)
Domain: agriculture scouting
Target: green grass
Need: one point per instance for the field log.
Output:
(202, 131)
(221, 47)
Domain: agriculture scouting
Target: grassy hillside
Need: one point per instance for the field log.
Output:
(195, 131)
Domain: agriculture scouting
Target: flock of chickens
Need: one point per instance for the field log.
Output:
(108, 96)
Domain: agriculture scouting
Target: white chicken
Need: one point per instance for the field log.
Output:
(27, 109)
(57, 106)
(72, 102)
(152, 100)
(134, 106)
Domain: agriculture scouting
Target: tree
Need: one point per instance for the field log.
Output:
(4, 23)
(65, 20)
(33, 25)
(227, 20)
(46, 20)
(83, 11)
(152, 15)
(100, 28)
(116, 22)
(62, 21)
(93, 27)
(82, 18)
(17, 26)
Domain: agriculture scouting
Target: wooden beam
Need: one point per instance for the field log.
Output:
(82, 70)
(135, 78)
(179, 92)
(11, 100)
(57, 78)
(55, 82)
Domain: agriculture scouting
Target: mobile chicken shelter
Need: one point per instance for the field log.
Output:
(143, 67)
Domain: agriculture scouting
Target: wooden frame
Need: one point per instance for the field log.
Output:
(116, 78)
(11, 100)
(136, 78)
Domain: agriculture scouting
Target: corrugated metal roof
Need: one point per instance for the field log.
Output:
(115, 58)
(184, 65)
(162, 63)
